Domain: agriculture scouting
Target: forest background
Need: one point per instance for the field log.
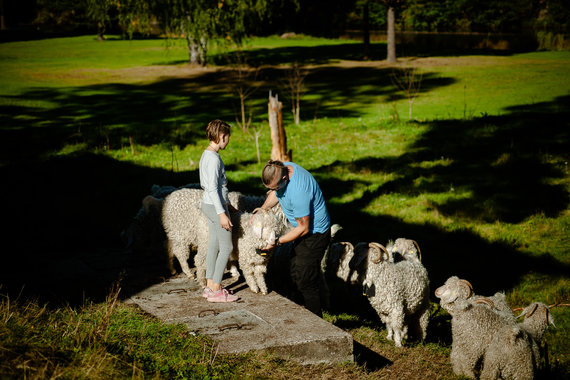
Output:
(545, 22)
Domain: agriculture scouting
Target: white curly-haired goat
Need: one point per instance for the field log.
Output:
(399, 292)
(187, 228)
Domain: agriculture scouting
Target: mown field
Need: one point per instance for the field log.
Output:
(479, 177)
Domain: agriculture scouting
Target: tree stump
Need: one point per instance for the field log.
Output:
(278, 135)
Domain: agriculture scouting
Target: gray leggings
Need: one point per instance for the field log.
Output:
(220, 245)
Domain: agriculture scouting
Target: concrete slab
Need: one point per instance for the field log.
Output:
(256, 322)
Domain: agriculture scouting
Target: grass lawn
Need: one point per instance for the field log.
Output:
(479, 176)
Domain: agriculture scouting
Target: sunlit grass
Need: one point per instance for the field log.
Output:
(106, 340)
(449, 171)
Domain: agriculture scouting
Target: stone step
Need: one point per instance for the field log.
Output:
(256, 322)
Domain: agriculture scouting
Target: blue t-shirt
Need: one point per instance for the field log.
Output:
(301, 197)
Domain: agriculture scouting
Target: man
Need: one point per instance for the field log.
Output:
(303, 204)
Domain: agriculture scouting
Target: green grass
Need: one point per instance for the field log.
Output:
(480, 178)
(105, 340)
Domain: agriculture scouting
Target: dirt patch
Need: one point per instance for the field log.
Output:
(146, 74)
(140, 73)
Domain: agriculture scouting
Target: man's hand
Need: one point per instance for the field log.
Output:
(253, 215)
(268, 247)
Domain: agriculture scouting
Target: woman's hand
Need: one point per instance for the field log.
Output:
(225, 222)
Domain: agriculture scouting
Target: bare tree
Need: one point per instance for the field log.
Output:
(243, 84)
(257, 132)
(294, 84)
(409, 81)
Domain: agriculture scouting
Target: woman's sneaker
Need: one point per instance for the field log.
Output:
(207, 292)
(222, 296)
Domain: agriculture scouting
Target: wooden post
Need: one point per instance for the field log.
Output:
(278, 135)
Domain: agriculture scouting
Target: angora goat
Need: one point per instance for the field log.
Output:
(145, 229)
(400, 291)
(456, 289)
(475, 320)
(248, 240)
(514, 353)
(404, 249)
(187, 228)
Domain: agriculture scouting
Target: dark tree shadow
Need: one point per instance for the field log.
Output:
(354, 51)
(498, 161)
(172, 111)
(65, 214)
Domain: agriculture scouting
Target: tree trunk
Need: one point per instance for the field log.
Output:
(2, 23)
(278, 136)
(203, 50)
(391, 58)
(193, 53)
(100, 32)
(196, 51)
(366, 31)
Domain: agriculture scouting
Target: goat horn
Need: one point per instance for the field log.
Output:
(531, 311)
(466, 284)
(418, 248)
(558, 304)
(549, 318)
(349, 244)
(380, 248)
(484, 301)
(258, 209)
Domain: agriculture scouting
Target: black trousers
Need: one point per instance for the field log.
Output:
(308, 251)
